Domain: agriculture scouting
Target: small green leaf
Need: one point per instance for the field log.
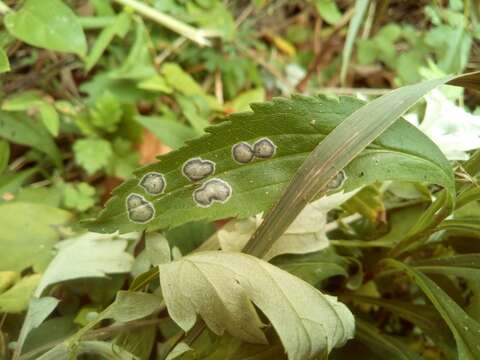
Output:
(4, 63)
(19, 128)
(222, 286)
(171, 132)
(49, 24)
(130, 305)
(92, 154)
(118, 28)
(28, 234)
(328, 10)
(75, 259)
(50, 118)
(464, 328)
(80, 196)
(16, 299)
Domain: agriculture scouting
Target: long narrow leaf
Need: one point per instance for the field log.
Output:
(338, 149)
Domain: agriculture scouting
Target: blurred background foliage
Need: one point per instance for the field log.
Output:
(92, 89)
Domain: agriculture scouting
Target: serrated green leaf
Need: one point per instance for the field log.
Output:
(341, 148)
(92, 154)
(296, 126)
(465, 329)
(48, 24)
(79, 196)
(222, 287)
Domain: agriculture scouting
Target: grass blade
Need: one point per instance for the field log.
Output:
(340, 147)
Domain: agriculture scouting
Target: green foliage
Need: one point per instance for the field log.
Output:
(230, 279)
(56, 26)
(295, 126)
(325, 197)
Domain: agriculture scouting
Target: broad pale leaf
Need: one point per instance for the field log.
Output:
(465, 329)
(75, 259)
(295, 126)
(306, 234)
(221, 287)
(49, 24)
(131, 305)
(38, 311)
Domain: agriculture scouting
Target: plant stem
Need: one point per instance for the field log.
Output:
(198, 36)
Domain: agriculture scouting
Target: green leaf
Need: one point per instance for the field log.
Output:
(130, 305)
(16, 299)
(12, 181)
(328, 10)
(361, 7)
(92, 154)
(385, 346)
(464, 328)
(465, 266)
(4, 155)
(169, 131)
(222, 286)
(4, 63)
(28, 234)
(296, 126)
(423, 316)
(341, 148)
(155, 83)
(49, 24)
(75, 259)
(313, 268)
(50, 118)
(184, 83)
(19, 128)
(38, 311)
(99, 349)
(80, 196)
(118, 28)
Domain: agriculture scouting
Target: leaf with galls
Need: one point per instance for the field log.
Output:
(281, 134)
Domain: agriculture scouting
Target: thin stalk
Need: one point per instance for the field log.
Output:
(198, 36)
